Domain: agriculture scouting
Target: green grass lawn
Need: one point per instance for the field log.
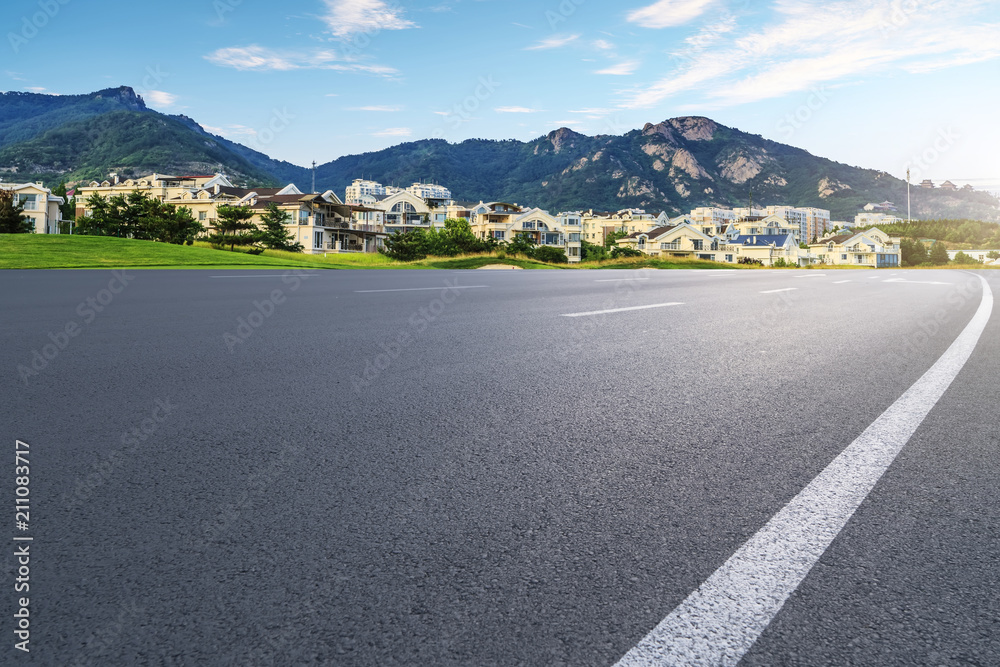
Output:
(57, 251)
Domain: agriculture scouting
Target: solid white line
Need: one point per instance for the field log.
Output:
(812, 275)
(720, 621)
(775, 291)
(622, 310)
(840, 282)
(417, 289)
(619, 280)
(274, 275)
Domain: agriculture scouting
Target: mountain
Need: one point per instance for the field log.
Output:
(674, 166)
(24, 116)
(81, 137)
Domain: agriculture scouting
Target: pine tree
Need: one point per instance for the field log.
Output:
(234, 227)
(11, 219)
(939, 254)
(274, 234)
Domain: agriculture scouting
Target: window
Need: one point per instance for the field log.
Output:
(574, 238)
(202, 215)
(318, 240)
(729, 258)
(528, 225)
(303, 217)
(573, 252)
(843, 258)
(498, 235)
(698, 244)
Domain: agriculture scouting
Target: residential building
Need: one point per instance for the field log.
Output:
(40, 206)
(978, 255)
(494, 220)
(874, 219)
(680, 238)
(363, 192)
(404, 211)
(543, 229)
(883, 207)
(872, 248)
(163, 187)
(716, 218)
(765, 248)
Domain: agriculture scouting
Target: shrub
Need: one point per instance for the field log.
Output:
(550, 255)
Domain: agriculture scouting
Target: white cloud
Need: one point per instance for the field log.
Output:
(348, 17)
(815, 44)
(515, 110)
(393, 132)
(553, 42)
(36, 89)
(160, 98)
(604, 45)
(668, 13)
(255, 58)
(621, 69)
(375, 108)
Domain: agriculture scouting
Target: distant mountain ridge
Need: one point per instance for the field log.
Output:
(674, 166)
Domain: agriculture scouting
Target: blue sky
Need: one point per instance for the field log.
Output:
(884, 84)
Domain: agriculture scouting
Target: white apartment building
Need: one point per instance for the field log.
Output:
(708, 216)
(40, 205)
(366, 193)
(869, 219)
(430, 191)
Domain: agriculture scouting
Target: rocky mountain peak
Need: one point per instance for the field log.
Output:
(563, 137)
(125, 95)
(695, 128)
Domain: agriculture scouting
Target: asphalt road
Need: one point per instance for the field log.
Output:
(459, 474)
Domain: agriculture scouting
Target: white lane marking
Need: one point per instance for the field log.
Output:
(418, 289)
(620, 280)
(775, 291)
(840, 282)
(274, 275)
(622, 310)
(718, 623)
(914, 282)
(812, 275)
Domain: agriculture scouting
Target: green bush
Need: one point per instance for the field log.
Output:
(551, 255)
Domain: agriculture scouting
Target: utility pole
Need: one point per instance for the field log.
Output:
(314, 177)
(907, 195)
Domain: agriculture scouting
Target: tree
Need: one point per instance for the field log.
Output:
(550, 255)
(612, 237)
(274, 234)
(591, 252)
(522, 244)
(405, 246)
(939, 254)
(138, 216)
(234, 227)
(620, 251)
(993, 254)
(11, 219)
(68, 208)
(962, 258)
(914, 253)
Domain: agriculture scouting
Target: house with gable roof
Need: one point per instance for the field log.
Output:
(871, 248)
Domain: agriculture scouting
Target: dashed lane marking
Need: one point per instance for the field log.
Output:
(775, 291)
(718, 623)
(419, 289)
(622, 310)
